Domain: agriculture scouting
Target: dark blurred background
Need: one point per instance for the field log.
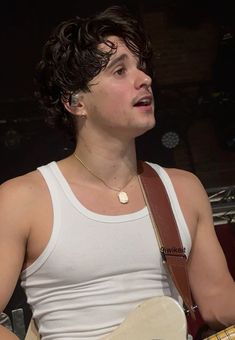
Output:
(194, 44)
(194, 87)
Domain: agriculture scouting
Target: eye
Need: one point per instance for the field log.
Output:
(120, 71)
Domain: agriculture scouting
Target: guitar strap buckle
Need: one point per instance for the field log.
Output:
(188, 311)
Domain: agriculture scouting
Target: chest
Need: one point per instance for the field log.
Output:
(104, 202)
(89, 250)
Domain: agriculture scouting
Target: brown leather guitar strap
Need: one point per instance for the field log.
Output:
(166, 231)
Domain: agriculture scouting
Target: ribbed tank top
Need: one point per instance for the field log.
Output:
(95, 268)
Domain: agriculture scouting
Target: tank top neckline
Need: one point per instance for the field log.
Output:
(87, 212)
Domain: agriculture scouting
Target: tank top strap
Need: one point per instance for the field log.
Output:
(47, 174)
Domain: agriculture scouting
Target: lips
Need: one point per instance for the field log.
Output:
(143, 101)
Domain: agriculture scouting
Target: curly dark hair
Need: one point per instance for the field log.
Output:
(71, 58)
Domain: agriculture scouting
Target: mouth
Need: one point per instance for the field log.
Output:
(143, 101)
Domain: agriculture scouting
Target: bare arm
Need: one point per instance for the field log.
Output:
(6, 334)
(13, 239)
(212, 285)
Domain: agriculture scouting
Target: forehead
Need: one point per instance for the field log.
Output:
(118, 43)
(113, 39)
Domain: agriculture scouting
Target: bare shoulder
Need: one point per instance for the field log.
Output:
(192, 197)
(18, 197)
(185, 181)
(22, 188)
(181, 175)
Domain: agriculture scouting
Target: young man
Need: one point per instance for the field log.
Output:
(78, 230)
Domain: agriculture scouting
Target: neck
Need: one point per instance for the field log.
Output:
(114, 164)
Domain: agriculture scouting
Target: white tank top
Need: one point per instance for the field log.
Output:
(95, 268)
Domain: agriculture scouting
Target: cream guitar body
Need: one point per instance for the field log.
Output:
(159, 318)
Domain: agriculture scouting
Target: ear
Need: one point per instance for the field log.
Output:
(75, 104)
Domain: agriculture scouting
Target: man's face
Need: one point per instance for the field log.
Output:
(120, 102)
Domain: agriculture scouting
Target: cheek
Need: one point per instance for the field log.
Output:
(111, 100)
(114, 90)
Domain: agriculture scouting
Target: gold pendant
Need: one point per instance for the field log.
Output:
(123, 198)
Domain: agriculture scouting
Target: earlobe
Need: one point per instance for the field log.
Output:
(83, 115)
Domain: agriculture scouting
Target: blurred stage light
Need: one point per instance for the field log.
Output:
(170, 139)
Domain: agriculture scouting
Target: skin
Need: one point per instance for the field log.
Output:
(108, 123)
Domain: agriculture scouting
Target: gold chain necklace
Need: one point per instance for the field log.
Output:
(122, 195)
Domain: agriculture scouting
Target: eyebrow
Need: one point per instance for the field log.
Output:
(116, 60)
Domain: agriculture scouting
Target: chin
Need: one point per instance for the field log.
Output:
(149, 124)
(142, 130)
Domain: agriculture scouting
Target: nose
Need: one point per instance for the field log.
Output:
(142, 79)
